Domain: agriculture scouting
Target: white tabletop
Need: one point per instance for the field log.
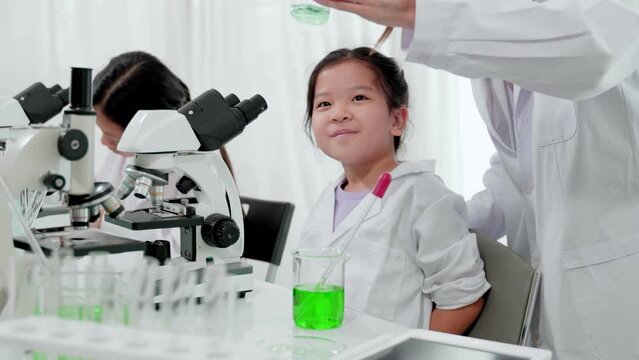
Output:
(262, 328)
(268, 314)
(270, 308)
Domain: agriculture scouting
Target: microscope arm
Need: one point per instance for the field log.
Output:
(30, 157)
(27, 162)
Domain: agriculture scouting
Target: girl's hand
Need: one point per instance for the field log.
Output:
(98, 223)
(397, 13)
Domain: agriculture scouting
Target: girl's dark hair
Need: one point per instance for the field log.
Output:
(390, 78)
(137, 80)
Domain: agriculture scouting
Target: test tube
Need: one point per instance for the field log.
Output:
(99, 284)
(170, 274)
(219, 310)
(143, 298)
(185, 306)
(210, 290)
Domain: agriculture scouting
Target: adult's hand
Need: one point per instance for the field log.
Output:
(397, 13)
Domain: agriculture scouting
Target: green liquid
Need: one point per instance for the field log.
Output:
(126, 316)
(39, 356)
(77, 312)
(318, 307)
(71, 312)
(310, 14)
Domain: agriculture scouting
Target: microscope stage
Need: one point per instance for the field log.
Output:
(82, 242)
(144, 220)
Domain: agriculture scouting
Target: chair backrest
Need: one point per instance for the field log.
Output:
(510, 302)
(4, 297)
(266, 225)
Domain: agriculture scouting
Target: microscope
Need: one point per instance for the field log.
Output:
(185, 141)
(54, 159)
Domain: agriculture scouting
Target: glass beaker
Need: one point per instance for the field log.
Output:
(318, 287)
(86, 296)
(309, 12)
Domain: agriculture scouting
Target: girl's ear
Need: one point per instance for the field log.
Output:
(400, 119)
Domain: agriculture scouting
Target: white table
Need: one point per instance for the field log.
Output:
(360, 336)
(263, 329)
(269, 313)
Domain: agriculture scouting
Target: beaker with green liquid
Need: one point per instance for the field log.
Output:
(318, 303)
(309, 12)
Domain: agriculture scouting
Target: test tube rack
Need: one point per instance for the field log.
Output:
(50, 335)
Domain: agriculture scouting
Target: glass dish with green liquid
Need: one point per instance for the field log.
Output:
(318, 307)
(310, 13)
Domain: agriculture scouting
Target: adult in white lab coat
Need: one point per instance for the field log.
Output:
(566, 128)
(503, 209)
(130, 82)
(412, 250)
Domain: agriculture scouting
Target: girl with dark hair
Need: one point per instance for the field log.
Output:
(133, 81)
(130, 82)
(413, 260)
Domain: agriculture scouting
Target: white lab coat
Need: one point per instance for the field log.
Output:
(502, 209)
(579, 176)
(412, 250)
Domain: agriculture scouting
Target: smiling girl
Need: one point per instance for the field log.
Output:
(413, 260)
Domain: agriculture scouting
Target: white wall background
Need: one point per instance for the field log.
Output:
(244, 47)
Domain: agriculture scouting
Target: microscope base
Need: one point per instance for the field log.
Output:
(241, 277)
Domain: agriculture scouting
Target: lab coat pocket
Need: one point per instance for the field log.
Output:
(373, 278)
(605, 290)
(555, 120)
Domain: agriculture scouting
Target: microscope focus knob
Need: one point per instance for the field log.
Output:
(73, 145)
(220, 231)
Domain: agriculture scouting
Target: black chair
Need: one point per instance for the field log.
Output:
(266, 225)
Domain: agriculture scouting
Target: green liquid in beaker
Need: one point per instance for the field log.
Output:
(310, 14)
(38, 355)
(126, 321)
(95, 314)
(318, 307)
(71, 312)
(77, 312)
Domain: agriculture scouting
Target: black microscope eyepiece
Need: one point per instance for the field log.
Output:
(40, 103)
(216, 120)
(252, 108)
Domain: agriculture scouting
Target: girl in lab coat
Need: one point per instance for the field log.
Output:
(413, 260)
(557, 84)
(130, 82)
